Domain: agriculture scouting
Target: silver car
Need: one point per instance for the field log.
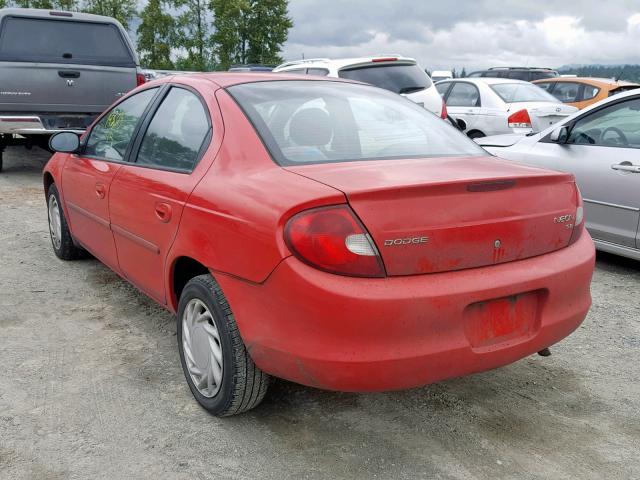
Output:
(493, 106)
(600, 145)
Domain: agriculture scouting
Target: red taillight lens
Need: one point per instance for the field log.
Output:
(444, 113)
(384, 59)
(333, 239)
(140, 79)
(520, 119)
(578, 222)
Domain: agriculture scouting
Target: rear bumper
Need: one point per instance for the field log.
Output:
(43, 125)
(350, 334)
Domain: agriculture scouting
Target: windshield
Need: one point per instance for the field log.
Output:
(397, 77)
(521, 92)
(325, 122)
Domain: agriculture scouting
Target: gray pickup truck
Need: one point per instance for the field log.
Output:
(58, 71)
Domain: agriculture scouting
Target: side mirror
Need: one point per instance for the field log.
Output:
(65, 142)
(559, 135)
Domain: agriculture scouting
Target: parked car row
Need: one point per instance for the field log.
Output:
(491, 106)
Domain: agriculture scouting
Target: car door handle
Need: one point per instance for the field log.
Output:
(69, 74)
(101, 190)
(163, 212)
(626, 167)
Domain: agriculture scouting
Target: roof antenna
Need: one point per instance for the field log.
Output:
(620, 75)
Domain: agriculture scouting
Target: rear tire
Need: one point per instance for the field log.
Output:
(61, 239)
(219, 371)
(476, 134)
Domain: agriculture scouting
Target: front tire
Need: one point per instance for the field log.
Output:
(219, 371)
(61, 239)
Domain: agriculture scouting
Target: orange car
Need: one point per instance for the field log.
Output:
(583, 91)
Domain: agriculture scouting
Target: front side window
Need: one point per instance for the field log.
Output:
(521, 92)
(396, 77)
(614, 126)
(463, 95)
(176, 133)
(567, 92)
(111, 136)
(321, 122)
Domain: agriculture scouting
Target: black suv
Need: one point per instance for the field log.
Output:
(528, 74)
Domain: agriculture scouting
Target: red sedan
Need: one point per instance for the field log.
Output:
(330, 233)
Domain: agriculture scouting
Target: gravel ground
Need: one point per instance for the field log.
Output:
(91, 387)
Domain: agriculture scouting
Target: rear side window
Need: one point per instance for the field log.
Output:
(396, 77)
(175, 135)
(463, 95)
(442, 88)
(567, 92)
(63, 41)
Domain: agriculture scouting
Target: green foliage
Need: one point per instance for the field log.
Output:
(121, 10)
(249, 31)
(630, 73)
(193, 35)
(156, 36)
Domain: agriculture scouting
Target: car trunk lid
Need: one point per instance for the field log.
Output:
(542, 114)
(433, 215)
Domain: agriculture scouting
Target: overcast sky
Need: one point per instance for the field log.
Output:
(471, 33)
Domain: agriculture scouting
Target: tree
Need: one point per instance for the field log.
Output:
(268, 29)
(193, 35)
(156, 36)
(249, 31)
(121, 10)
(463, 73)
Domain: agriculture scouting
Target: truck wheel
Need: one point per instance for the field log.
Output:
(220, 373)
(61, 239)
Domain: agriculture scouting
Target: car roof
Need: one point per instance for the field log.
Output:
(228, 79)
(54, 14)
(600, 82)
(483, 80)
(343, 62)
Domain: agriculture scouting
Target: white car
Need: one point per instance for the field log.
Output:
(493, 106)
(396, 73)
(438, 75)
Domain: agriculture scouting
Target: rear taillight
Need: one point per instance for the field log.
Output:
(578, 223)
(333, 239)
(520, 119)
(444, 113)
(140, 79)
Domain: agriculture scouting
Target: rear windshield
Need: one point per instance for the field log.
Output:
(63, 41)
(397, 77)
(329, 122)
(522, 92)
